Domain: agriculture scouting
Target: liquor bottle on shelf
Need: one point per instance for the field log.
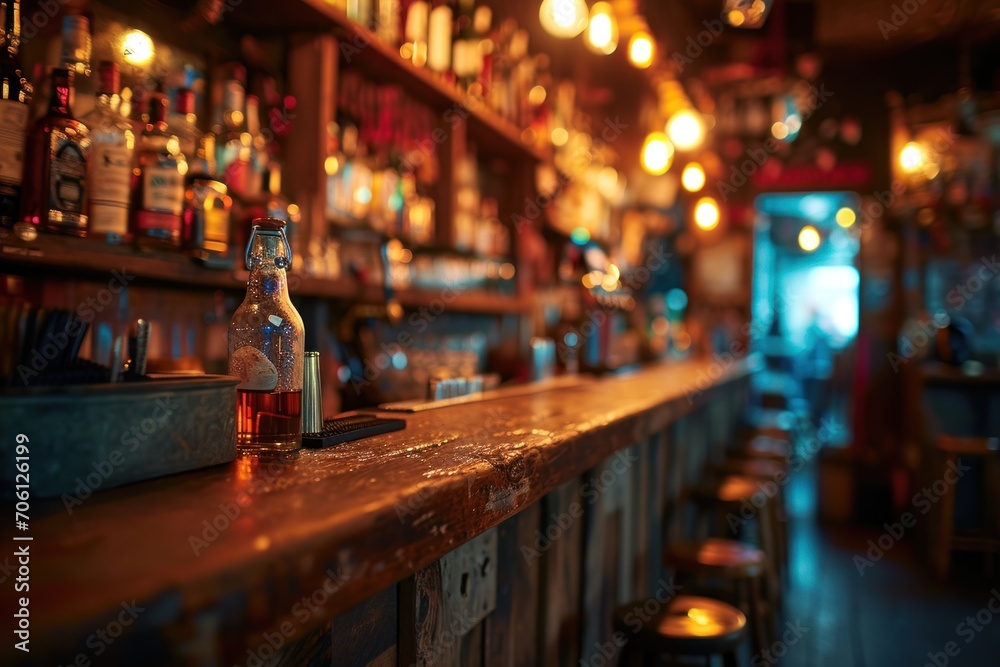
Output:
(55, 170)
(109, 172)
(266, 347)
(198, 149)
(360, 11)
(76, 44)
(439, 34)
(206, 220)
(15, 109)
(334, 166)
(158, 195)
(415, 32)
(466, 55)
(259, 155)
(233, 142)
(386, 21)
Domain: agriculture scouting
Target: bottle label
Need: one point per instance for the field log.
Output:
(67, 174)
(13, 127)
(254, 369)
(110, 182)
(162, 189)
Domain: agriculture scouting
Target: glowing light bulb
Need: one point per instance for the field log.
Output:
(602, 32)
(686, 129)
(779, 130)
(693, 177)
(641, 49)
(809, 238)
(559, 136)
(912, 157)
(137, 48)
(657, 153)
(563, 18)
(706, 213)
(846, 217)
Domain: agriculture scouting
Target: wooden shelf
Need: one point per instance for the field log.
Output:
(381, 62)
(470, 301)
(89, 257)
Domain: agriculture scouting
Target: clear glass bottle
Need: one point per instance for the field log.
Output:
(183, 124)
(266, 347)
(159, 192)
(109, 170)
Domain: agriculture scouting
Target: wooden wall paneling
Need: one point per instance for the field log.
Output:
(512, 629)
(444, 602)
(366, 635)
(563, 527)
(312, 78)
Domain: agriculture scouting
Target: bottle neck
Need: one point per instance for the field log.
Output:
(268, 257)
(10, 18)
(59, 102)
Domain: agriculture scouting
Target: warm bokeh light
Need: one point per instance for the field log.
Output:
(559, 136)
(563, 18)
(137, 48)
(693, 177)
(602, 33)
(686, 129)
(537, 95)
(779, 130)
(331, 165)
(846, 217)
(657, 153)
(735, 18)
(913, 157)
(706, 213)
(809, 238)
(640, 49)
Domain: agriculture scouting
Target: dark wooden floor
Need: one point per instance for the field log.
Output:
(895, 614)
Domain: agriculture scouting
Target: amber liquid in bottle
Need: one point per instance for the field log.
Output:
(267, 417)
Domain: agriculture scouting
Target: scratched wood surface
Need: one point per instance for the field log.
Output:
(242, 544)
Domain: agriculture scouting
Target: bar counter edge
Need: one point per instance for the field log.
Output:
(262, 545)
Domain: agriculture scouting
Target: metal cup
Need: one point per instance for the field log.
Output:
(312, 395)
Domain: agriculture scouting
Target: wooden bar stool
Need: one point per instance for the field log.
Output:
(687, 625)
(765, 471)
(727, 501)
(949, 450)
(739, 566)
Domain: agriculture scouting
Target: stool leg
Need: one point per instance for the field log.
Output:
(768, 620)
(746, 598)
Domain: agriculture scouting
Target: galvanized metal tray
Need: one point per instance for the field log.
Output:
(87, 438)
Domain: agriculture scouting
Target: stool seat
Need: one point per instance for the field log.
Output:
(686, 625)
(731, 489)
(716, 558)
(758, 468)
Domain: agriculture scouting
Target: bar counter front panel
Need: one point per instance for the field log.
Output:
(494, 533)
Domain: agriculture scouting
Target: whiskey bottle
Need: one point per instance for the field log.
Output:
(109, 171)
(158, 194)
(55, 170)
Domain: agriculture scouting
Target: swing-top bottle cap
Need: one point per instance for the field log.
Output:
(273, 224)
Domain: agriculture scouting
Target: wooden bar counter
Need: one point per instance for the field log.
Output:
(493, 533)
